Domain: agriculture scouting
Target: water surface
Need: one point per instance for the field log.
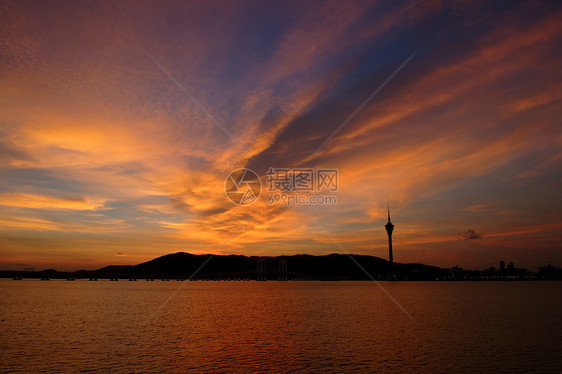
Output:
(60, 326)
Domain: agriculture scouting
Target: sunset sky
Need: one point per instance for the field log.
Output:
(120, 121)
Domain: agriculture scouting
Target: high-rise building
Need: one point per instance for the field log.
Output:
(262, 272)
(282, 274)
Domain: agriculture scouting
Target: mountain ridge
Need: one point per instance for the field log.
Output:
(299, 266)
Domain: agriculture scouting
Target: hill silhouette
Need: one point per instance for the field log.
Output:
(328, 267)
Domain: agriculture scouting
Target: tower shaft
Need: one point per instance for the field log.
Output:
(390, 257)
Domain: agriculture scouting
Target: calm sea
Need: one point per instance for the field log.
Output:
(251, 327)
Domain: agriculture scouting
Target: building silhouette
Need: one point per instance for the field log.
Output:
(262, 273)
(282, 275)
(389, 228)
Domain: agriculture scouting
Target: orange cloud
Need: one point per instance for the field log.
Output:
(47, 202)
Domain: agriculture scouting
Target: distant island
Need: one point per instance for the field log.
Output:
(332, 267)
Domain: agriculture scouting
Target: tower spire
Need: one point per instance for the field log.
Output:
(389, 211)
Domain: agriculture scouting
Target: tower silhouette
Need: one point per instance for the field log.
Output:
(389, 228)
